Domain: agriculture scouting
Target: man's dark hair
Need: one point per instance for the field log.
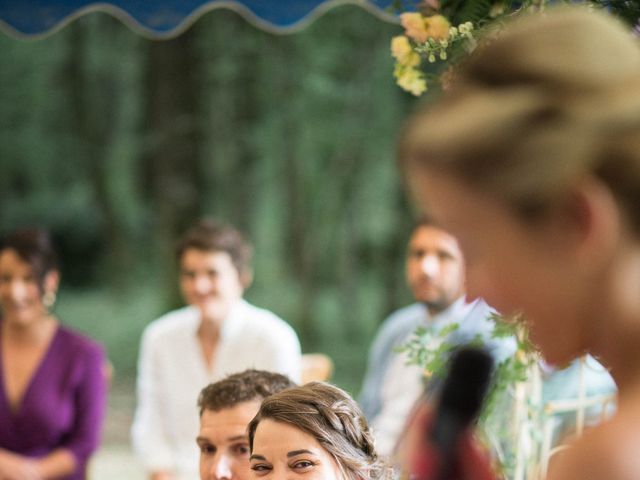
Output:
(242, 387)
(425, 220)
(212, 236)
(422, 221)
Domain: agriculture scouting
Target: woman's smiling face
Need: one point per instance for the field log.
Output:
(20, 289)
(282, 451)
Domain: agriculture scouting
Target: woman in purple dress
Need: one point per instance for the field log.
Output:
(52, 379)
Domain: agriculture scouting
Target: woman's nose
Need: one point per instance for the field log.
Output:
(17, 289)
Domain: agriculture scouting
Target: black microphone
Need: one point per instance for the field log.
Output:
(459, 403)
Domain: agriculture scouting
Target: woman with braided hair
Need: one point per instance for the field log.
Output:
(316, 431)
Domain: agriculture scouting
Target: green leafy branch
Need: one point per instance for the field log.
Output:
(430, 349)
(434, 50)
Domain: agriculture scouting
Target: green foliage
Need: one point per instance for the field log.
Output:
(429, 349)
(461, 11)
(627, 10)
(117, 143)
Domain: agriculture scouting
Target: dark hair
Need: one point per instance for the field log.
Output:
(35, 247)
(210, 235)
(241, 387)
(425, 220)
(333, 418)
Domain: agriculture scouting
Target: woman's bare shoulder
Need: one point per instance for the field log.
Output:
(610, 451)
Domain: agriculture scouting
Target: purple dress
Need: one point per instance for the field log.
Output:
(63, 405)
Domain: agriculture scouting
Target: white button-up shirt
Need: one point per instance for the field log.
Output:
(172, 371)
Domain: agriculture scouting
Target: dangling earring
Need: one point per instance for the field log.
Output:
(49, 299)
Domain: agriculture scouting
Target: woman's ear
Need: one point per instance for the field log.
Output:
(51, 281)
(595, 220)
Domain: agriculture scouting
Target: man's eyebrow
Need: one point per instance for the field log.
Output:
(257, 457)
(235, 438)
(299, 452)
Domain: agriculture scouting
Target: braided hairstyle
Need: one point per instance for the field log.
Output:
(333, 418)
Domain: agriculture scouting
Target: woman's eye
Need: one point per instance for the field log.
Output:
(303, 464)
(260, 468)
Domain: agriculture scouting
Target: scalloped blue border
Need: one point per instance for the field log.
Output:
(161, 19)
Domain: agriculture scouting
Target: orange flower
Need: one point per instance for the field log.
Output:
(421, 28)
(438, 27)
(414, 26)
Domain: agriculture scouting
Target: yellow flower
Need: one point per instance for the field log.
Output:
(411, 80)
(401, 50)
(421, 28)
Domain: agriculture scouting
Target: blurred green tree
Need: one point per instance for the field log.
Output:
(117, 143)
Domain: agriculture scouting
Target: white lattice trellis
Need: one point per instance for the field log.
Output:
(534, 424)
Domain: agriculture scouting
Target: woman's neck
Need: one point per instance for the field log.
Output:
(618, 335)
(34, 332)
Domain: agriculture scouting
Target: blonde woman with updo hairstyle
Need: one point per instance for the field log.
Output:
(316, 431)
(532, 160)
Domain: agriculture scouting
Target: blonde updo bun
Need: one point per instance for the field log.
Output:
(548, 99)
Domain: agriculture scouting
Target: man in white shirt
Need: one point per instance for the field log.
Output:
(217, 334)
(226, 408)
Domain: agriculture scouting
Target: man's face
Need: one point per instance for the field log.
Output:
(210, 281)
(223, 442)
(435, 268)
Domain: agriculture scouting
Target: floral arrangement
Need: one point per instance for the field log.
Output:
(425, 37)
(442, 32)
(430, 350)
(516, 423)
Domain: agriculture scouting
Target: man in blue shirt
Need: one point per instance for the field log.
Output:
(435, 273)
